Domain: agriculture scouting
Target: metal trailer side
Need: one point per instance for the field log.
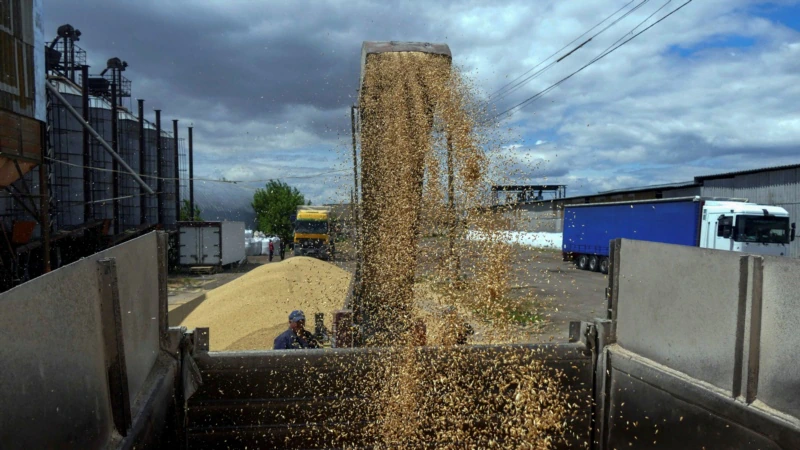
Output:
(88, 359)
(232, 242)
(211, 243)
(589, 228)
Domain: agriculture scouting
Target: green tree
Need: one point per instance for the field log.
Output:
(185, 212)
(274, 205)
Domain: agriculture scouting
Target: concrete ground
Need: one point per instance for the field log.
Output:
(560, 292)
(563, 293)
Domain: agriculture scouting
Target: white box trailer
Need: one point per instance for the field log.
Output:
(211, 243)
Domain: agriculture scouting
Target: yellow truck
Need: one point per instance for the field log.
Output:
(312, 232)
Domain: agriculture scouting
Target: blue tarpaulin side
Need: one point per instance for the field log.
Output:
(588, 229)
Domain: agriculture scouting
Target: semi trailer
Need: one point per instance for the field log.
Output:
(722, 224)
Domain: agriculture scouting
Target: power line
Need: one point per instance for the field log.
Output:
(522, 104)
(559, 50)
(637, 26)
(153, 177)
(531, 77)
(536, 75)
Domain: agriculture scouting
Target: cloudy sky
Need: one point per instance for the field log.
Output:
(268, 85)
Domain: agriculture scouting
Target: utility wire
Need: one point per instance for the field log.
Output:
(647, 19)
(528, 79)
(549, 66)
(559, 50)
(153, 177)
(510, 111)
(108, 200)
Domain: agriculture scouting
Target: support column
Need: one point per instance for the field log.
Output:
(191, 176)
(114, 163)
(142, 164)
(159, 169)
(87, 150)
(44, 200)
(177, 171)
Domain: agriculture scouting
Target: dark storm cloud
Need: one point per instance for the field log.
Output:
(255, 59)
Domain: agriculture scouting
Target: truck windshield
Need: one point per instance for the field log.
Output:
(311, 227)
(763, 229)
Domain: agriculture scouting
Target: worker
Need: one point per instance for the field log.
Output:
(296, 336)
(271, 249)
(457, 330)
(283, 249)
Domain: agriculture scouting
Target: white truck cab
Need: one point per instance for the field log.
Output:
(746, 227)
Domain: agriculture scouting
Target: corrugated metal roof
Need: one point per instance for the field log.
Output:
(700, 179)
(682, 184)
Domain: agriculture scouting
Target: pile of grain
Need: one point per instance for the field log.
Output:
(249, 312)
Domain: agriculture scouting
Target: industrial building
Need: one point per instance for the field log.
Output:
(81, 168)
(778, 186)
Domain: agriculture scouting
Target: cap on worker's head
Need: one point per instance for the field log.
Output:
(297, 316)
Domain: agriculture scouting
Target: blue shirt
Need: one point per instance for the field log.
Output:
(289, 340)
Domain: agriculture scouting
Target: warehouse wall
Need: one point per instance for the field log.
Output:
(682, 192)
(539, 217)
(775, 187)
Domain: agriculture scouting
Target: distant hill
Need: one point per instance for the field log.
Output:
(225, 201)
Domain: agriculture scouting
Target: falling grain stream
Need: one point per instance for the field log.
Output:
(423, 170)
(423, 175)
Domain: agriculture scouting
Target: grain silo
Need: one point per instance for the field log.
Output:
(130, 217)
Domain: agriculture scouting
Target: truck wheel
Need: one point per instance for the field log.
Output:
(604, 265)
(594, 263)
(582, 262)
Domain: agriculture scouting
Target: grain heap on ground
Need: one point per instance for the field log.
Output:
(249, 312)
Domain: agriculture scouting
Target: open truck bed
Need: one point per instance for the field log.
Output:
(684, 359)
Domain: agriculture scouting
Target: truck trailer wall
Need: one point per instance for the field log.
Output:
(54, 347)
(779, 365)
(53, 382)
(285, 398)
(673, 305)
(211, 243)
(588, 229)
(703, 353)
(232, 239)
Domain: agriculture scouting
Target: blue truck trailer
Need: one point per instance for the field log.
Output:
(728, 224)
